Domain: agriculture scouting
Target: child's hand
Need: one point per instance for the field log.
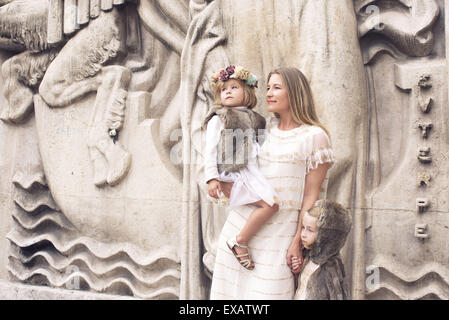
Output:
(294, 251)
(226, 188)
(214, 188)
(296, 264)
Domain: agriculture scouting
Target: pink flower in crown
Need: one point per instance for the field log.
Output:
(230, 70)
(224, 75)
(216, 76)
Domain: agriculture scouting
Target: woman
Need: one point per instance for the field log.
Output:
(294, 158)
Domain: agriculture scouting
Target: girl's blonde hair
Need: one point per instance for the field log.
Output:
(300, 99)
(249, 93)
(314, 212)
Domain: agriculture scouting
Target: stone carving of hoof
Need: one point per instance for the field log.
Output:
(100, 171)
(119, 162)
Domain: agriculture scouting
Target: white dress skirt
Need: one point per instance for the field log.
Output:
(285, 159)
(249, 184)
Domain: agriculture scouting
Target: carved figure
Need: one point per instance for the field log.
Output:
(87, 62)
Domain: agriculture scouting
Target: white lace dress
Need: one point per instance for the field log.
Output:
(285, 158)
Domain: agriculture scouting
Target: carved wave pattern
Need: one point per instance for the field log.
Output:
(426, 281)
(46, 249)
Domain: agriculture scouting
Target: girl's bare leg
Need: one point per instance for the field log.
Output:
(256, 220)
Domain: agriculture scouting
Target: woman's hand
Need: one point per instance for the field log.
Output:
(226, 188)
(214, 188)
(294, 257)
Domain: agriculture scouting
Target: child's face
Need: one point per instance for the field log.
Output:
(309, 230)
(232, 93)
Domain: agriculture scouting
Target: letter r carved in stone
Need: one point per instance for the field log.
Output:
(424, 179)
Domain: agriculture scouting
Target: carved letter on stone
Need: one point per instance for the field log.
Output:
(425, 105)
(424, 156)
(424, 81)
(420, 231)
(422, 204)
(423, 84)
(425, 128)
(424, 179)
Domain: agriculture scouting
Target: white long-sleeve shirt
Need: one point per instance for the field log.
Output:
(213, 134)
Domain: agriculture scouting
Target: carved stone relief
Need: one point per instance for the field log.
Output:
(104, 225)
(407, 99)
(103, 103)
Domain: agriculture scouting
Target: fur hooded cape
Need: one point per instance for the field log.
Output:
(328, 281)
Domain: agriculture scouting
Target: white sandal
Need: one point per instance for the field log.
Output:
(246, 263)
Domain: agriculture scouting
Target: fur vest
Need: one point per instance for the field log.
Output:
(328, 282)
(241, 129)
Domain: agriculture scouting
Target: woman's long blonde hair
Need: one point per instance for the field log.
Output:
(300, 99)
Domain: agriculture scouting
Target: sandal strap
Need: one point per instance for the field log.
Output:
(245, 263)
(240, 245)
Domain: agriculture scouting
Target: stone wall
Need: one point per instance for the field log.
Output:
(101, 142)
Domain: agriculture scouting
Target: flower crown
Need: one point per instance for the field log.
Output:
(235, 72)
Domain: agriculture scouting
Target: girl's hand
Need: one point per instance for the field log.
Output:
(214, 188)
(226, 188)
(294, 251)
(296, 264)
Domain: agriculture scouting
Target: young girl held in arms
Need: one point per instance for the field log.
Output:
(232, 136)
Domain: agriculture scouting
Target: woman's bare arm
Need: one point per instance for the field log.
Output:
(314, 180)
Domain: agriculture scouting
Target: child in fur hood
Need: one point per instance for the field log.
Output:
(324, 230)
(232, 125)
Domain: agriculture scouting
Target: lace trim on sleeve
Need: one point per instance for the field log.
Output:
(319, 157)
